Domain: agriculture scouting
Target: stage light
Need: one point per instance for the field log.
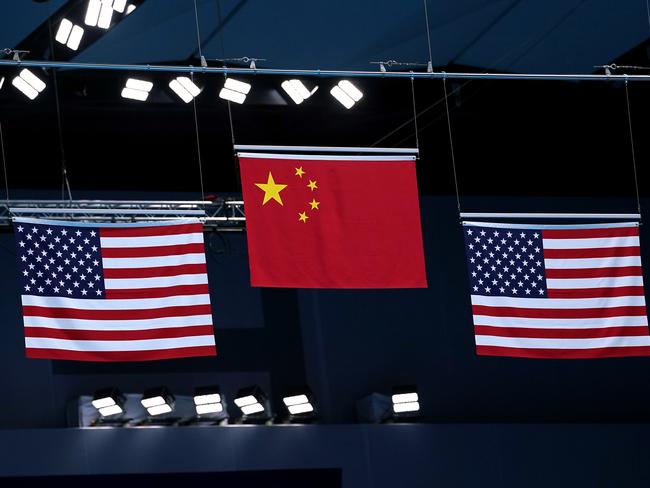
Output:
(253, 403)
(2, 81)
(99, 13)
(108, 401)
(184, 88)
(300, 405)
(235, 90)
(158, 401)
(29, 84)
(119, 5)
(137, 89)
(346, 93)
(297, 91)
(405, 401)
(69, 34)
(207, 400)
(130, 9)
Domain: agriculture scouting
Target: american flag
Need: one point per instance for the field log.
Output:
(114, 292)
(557, 291)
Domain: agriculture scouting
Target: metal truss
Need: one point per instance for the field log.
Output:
(221, 214)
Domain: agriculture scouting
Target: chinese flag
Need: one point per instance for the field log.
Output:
(332, 221)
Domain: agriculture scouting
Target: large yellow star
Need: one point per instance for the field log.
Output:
(314, 204)
(300, 171)
(312, 185)
(271, 190)
(302, 216)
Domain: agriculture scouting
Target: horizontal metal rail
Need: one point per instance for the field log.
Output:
(535, 215)
(322, 73)
(367, 150)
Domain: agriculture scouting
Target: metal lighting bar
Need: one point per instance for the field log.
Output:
(502, 215)
(323, 73)
(219, 214)
(367, 150)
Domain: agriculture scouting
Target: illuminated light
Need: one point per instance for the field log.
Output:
(92, 12)
(105, 15)
(152, 402)
(295, 400)
(29, 84)
(130, 8)
(252, 409)
(405, 397)
(103, 402)
(300, 409)
(209, 408)
(111, 410)
(62, 34)
(184, 88)
(297, 91)
(137, 89)
(406, 407)
(245, 401)
(159, 409)
(346, 93)
(75, 37)
(235, 90)
(2, 81)
(119, 5)
(207, 399)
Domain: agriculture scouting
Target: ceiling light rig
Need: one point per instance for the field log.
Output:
(69, 34)
(346, 93)
(235, 90)
(184, 88)
(99, 13)
(29, 84)
(297, 91)
(137, 89)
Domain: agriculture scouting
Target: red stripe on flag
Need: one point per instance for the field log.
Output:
(103, 356)
(591, 272)
(558, 313)
(602, 352)
(146, 252)
(118, 335)
(615, 291)
(155, 272)
(590, 233)
(154, 230)
(557, 333)
(154, 313)
(598, 252)
(168, 291)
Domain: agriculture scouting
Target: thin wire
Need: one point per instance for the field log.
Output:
(426, 19)
(647, 9)
(198, 143)
(198, 31)
(4, 163)
(415, 117)
(65, 183)
(451, 145)
(629, 123)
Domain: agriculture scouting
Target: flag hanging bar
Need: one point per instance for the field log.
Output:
(324, 149)
(535, 215)
(324, 73)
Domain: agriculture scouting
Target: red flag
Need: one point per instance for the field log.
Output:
(332, 221)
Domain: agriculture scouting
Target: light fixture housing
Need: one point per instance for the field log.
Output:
(158, 401)
(235, 90)
(185, 88)
(109, 401)
(69, 34)
(297, 90)
(136, 89)
(253, 404)
(300, 405)
(208, 401)
(29, 84)
(405, 402)
(346, 93)
(99, 13)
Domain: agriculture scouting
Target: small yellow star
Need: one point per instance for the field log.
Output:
(299, 171)
(312, 185)
(314, 204)
(271, 190)
(302, 216)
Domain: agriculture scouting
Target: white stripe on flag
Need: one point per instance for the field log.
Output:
(591, 243)
(152, 241)
(567, 303)
(153, 262)
(556, 283)
(526, 323)
(566, 263)
(522, 342)
(136, 324)
(115, 304)
(137, 345)
(158, 282)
